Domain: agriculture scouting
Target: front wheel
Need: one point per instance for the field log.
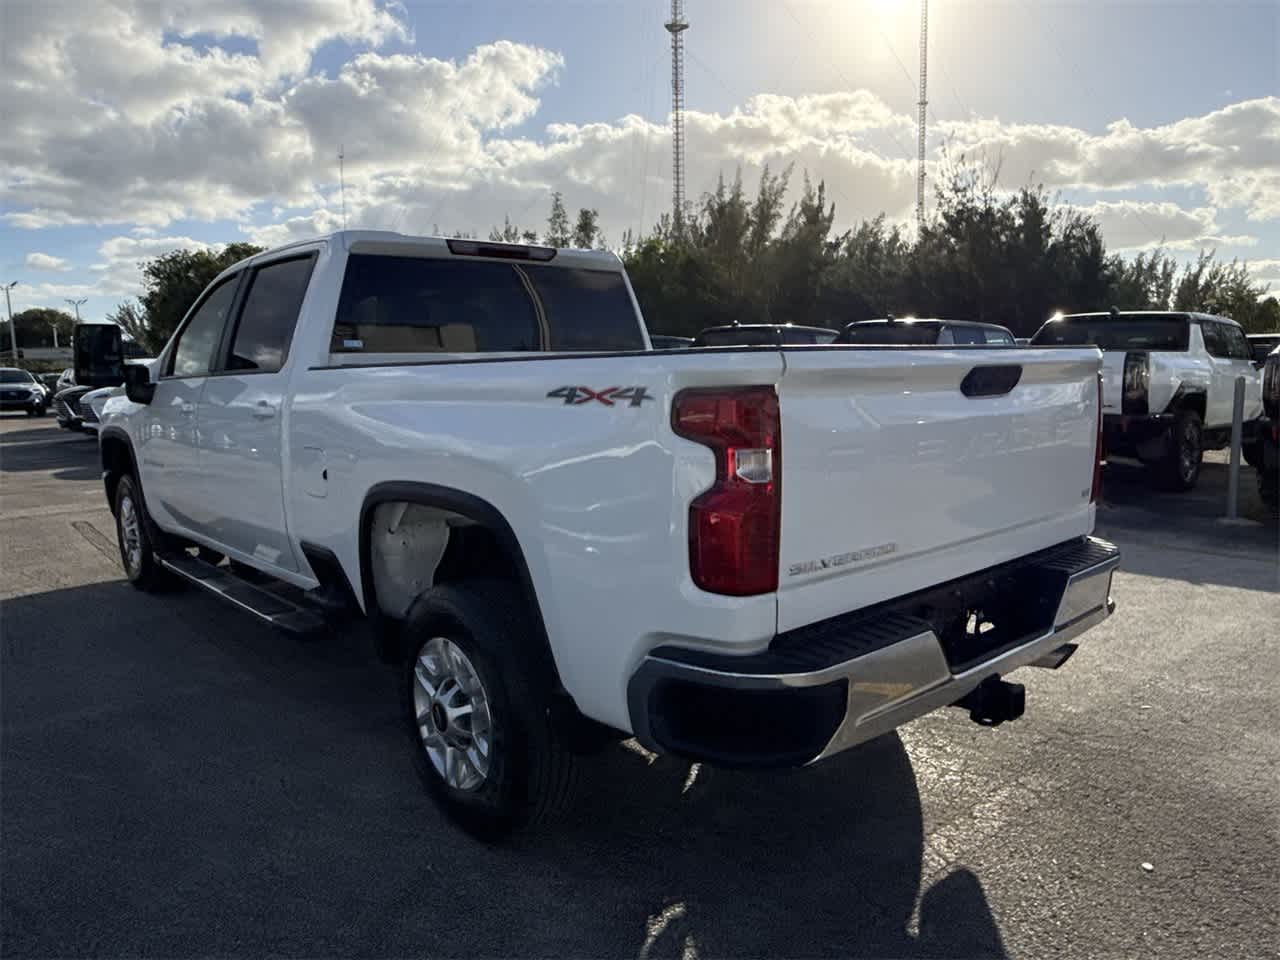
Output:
(1179, 469)
(133, 532)
(477, 710)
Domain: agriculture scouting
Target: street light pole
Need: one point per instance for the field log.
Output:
(13, 332)
(76, 304)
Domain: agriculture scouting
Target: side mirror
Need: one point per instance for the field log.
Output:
(98, 352)
(137, 382)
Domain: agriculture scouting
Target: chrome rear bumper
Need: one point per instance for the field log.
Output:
(834, 685)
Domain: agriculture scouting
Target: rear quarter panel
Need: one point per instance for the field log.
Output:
(597, 495)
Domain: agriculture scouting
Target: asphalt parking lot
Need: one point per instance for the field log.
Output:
(177, 781)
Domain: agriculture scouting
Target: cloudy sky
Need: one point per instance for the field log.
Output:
(135, 126)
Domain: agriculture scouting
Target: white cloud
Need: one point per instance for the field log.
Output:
(1232, 154)
(1267, 272)
(1134, 225)
(148, 112)
(45, 261)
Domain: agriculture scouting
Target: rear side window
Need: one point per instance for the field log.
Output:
(1237, 344)
(269, 315)
(1215, 339)
(1133, 332)
(964, 335)
(424, 305)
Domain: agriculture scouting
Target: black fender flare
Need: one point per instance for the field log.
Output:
(1185, 395)
(473, 508)
(122, 435)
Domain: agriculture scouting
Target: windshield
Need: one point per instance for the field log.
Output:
(908, 334)
(1140, 332)
(14, 376)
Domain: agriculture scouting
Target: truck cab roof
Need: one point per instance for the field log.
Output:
(403, 244)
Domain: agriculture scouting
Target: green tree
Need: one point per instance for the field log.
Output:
(35, 327)
(587, 229)
(558, 223)
(1267, 318)
(171, 283)
(508, 233)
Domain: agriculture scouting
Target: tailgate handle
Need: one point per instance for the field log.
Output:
(993, 381)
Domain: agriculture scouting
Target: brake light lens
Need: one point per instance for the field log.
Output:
(734, 527)
(502, 251)
(1096, 489)
(1137, 377)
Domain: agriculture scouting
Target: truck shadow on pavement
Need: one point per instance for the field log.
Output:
(180, 781)
(71, 458)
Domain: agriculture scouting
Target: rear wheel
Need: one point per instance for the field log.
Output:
(1252, 453)
(478, 711)
(1179, 468)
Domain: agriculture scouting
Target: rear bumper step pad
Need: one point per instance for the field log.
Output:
(830, 685)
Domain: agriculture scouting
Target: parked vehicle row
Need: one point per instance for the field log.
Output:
(752, 556)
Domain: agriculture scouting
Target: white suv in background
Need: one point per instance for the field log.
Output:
(1168, 384)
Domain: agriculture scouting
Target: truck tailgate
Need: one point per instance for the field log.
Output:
(894, 479)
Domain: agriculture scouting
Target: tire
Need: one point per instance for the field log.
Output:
(1179, 469)
(1252, 453)
(134, 533)
(1269, 488)
(467, 649)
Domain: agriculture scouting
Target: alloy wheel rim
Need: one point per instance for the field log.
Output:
(131, 535)
(451, 709)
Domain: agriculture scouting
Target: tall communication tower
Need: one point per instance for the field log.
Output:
(923, 106)
(676, 26)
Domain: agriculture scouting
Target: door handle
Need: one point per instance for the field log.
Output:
(263, 410)
(187, 409)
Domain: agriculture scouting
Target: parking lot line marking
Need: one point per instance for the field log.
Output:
(96, 538)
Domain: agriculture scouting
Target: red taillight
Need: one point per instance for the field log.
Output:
(734, 526)
(1097, 452)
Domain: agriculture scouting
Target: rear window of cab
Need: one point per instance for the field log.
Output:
(393, 304)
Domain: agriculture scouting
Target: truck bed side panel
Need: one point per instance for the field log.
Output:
(596, 494)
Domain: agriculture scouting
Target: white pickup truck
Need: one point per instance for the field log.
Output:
(748, 556)
(1168, 385)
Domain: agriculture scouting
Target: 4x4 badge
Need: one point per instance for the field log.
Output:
(609, 396)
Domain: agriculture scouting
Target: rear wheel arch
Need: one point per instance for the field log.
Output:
(481, 543)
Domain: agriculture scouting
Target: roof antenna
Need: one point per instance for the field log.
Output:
(342, 183)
